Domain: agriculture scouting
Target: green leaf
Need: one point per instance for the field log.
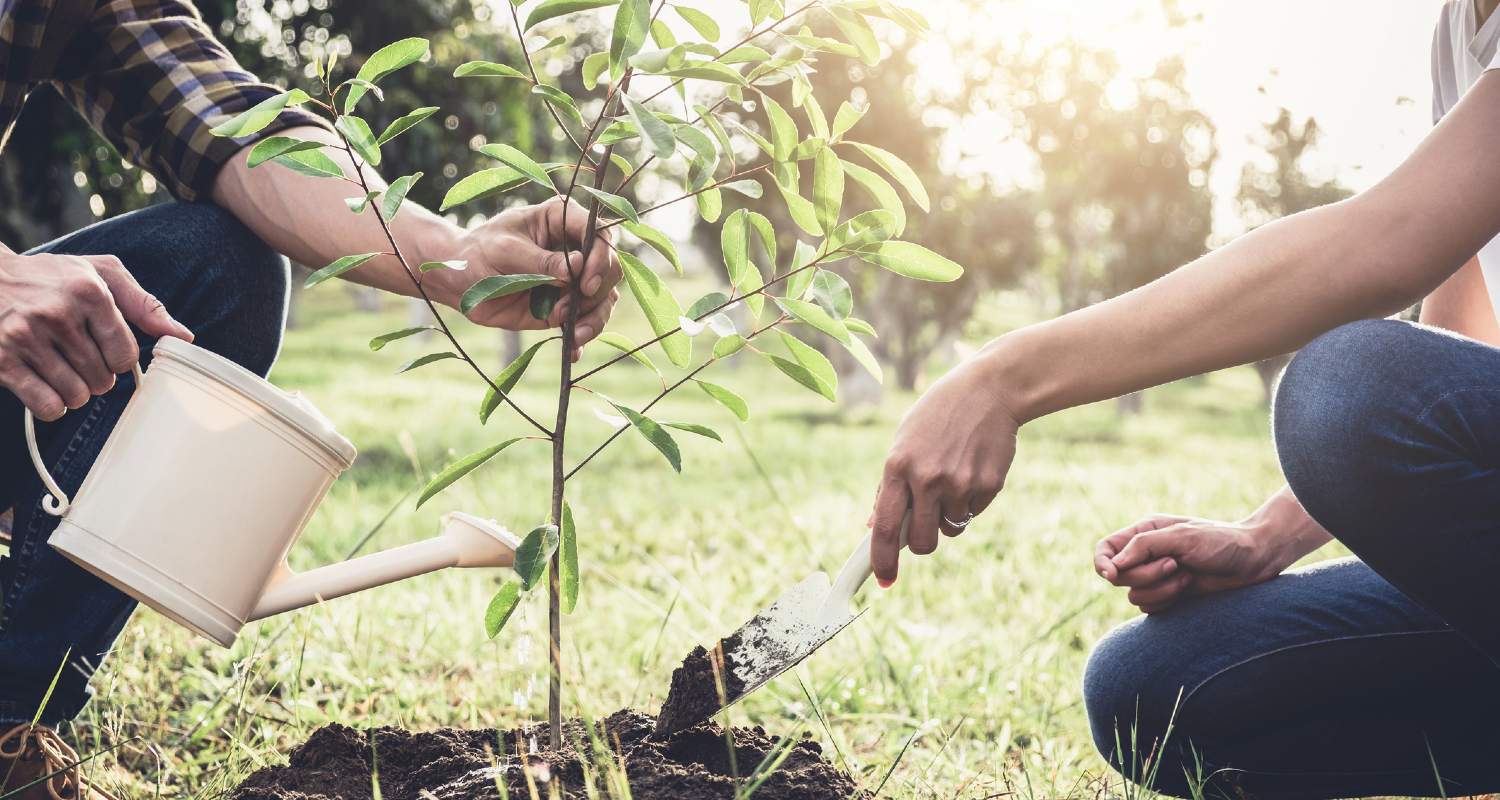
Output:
(783, 130)
(532, 556)
(660, 307)
(847, 117)
(430, 358)
(816, 316)
(502, 605)
(706, 158)
(898, 169)
(559, 99)
(828, 188)
(549, 9)
(863, 230)
(593, 67)
(799, 280)
(748, 187)
(507, 380)
(310, 162)
(798, 207)
(761, 10)
(813, 363)
(567, 573)
(701, 22)
(258, 116)
(701, 430)
(729, 345)
(361, 82)
(705, 304)
(337, 268)
(384, 61)
(744, 54)
(662, 35)
(396, 195)
(632, 20)
(859, 326)
(386, 338)
(726, 398)
(710, 205)
(458, 469)
(522, 162)
(654, 433)
(271, 147)
(912, 261)
(657, 132)
(866, 359)
(707, 71)
(496, 286)
(734, 239)
(488, 69)
(858, 32)
(483, 183)
(832, 292)
(358, 204)
(623, 343)
(622, 207)
(405, 122)
(881, 192)
(457, 265)
(657, 240)
(542, 300)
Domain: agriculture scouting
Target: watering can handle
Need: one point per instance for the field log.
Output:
(56, 502)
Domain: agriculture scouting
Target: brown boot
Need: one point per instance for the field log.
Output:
(36, 758)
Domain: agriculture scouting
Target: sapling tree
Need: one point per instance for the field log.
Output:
(666, 97)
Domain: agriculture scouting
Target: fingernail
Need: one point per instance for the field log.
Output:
(885, 584)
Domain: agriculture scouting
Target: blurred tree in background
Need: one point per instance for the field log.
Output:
(1280, 187)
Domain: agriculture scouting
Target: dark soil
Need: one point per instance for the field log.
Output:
(696, 692)
(338, 762)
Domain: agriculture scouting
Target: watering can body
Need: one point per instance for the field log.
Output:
(204, 485)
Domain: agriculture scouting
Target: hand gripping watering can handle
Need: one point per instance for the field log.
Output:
(56, 502)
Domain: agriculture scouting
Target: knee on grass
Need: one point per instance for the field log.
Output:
(1131, 708)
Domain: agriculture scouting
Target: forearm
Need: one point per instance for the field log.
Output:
(306, 219)
(1284, 531)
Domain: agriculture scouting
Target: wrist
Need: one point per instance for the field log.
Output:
(1008, 364)
(427, 237)
(1283, 532)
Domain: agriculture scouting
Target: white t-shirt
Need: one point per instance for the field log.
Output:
(1461, 52)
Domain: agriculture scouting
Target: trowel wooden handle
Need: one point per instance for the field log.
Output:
(857, 569)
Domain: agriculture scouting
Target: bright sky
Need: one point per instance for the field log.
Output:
(1359, 66)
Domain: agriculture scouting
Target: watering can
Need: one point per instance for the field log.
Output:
(203, 487)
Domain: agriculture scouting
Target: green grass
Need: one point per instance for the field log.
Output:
(961, 681)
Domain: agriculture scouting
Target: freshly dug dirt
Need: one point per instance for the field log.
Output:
(695, 694)
(339, 763)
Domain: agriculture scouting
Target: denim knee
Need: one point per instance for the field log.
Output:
(1127, 713)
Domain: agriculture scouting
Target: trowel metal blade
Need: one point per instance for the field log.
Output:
(784, 633)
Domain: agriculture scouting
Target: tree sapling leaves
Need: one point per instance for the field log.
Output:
(567, 573)
(623, 343)
(501, 606)
(452, 473)
(383, 62)
(807, 366)
(423, 361)
(828, 188)
(660, 307)
(783, 130)
(257, 117)
(707, 71)
(273, 146)
(386, 338)
(710, 204)
(860, 326)
(632, 21)
(911, 261)
(522, 163)
(507, 380)
(726, 398)
(548, 9)
(337, 268)
(748, 187)
(404, 123)
(898, 169)
(832, 292)
(654, 433)
(858, 32)
(701, 22)
(542, 300)
(657, 241)
(396, 195)
(483, 183)
(815, 316)
(357, 132)
(456, 264)
(881, 191)
(359, 204)
(560, 100)
(620, 206)
(847, 117)
(657, 132)
(535, 550)
(701, 430)
(313, 163)
(593, 67)
(496, 286)
(488, 69)
(729, 345)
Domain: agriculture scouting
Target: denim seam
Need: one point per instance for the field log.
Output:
(1445, 396)
(1187, 698)
(29, 546)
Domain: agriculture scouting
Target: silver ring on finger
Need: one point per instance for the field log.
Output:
(960, 525)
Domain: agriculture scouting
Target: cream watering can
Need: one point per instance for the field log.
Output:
(203, 487)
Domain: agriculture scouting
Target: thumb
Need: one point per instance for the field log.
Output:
(1150, 546)
(138, 306)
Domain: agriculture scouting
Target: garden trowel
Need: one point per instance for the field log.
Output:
(772, 642)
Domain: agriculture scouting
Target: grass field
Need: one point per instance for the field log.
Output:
(961, 681)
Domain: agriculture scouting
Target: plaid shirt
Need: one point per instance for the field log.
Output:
(147, 74)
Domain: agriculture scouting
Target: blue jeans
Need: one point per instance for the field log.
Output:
(1375, 675)
(230, 289)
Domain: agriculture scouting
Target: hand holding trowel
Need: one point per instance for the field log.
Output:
(772, 642)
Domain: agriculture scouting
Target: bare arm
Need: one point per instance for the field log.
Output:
(1268, 292)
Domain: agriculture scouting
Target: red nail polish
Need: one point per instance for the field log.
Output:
(885, 584)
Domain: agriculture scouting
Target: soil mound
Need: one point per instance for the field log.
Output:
(340, 763)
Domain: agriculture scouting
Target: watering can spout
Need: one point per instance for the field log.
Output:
(465, 541)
